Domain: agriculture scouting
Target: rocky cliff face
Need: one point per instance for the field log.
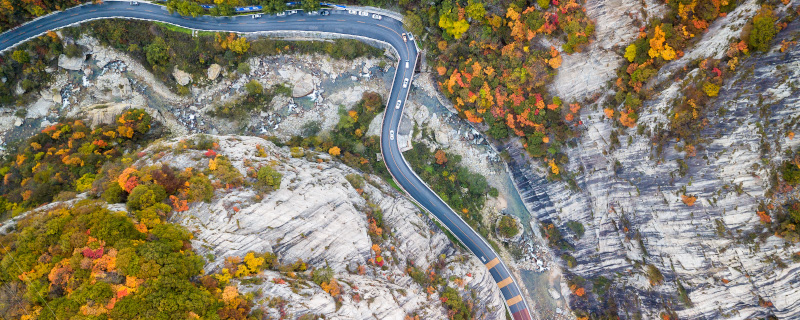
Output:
(318, 216)
(629, 198)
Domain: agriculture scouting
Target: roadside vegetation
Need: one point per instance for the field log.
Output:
(160, 48)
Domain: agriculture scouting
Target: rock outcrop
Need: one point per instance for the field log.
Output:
(318, 216)
(181, 77)
(213, 71)
(72, 64)
(716, 251)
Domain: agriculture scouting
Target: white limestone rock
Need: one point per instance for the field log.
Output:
(72, 64)
(317, 216)
(181, 77)
(213, 71)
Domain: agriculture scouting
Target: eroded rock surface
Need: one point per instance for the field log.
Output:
(317, 216)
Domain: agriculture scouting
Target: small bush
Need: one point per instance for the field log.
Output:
(322, 275)
(790, 173)
(355, 180)
(269, 177)
(654, 275)
(570, 260)
(507, 227)
(576, 228)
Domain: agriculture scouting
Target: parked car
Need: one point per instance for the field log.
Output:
(313, 13)
(363, 13)
(256, 16)
(405, 83)
(377, 17)
(397, 105)
(405, 39)
(134, 3)
(325, 12)
(410, 36)
(281, 14)
(351, 11)
(391, 134)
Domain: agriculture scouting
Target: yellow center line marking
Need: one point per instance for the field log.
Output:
(128, 8)
(72, 15)
(360, 21)
(4, 41)
(341, 20)
(281, 20)
(302, 20)
(93, 10)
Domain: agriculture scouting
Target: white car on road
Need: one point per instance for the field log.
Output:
(398, 104)
(256, 16)
(391, 134)
(405, 83)
(363, 13)
(376, 17)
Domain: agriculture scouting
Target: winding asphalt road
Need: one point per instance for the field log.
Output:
(340, 22)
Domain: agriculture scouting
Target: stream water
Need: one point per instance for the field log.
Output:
(536, 282)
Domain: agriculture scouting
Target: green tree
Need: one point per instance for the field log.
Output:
(243, 68)
(763, 30)
(507, 227)
(413, 23)
(475, 10)
(157, 52)
(143, 196)
(73, 51)
(240, 45)
(544, 4)
(310, 5)
(630, 52)
(21, 56)
(274, 6)
(254, 87)
(269, 177)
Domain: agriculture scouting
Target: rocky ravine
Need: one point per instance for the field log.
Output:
(317, 216)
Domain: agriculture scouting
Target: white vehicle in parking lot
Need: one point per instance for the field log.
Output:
(376, 17)
(397, 105)
(391, 134)
(405, 83)
(410, 36)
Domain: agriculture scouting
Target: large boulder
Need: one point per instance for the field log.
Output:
(68, 63)
(213, 71)
(302, 82)
(181, 77)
